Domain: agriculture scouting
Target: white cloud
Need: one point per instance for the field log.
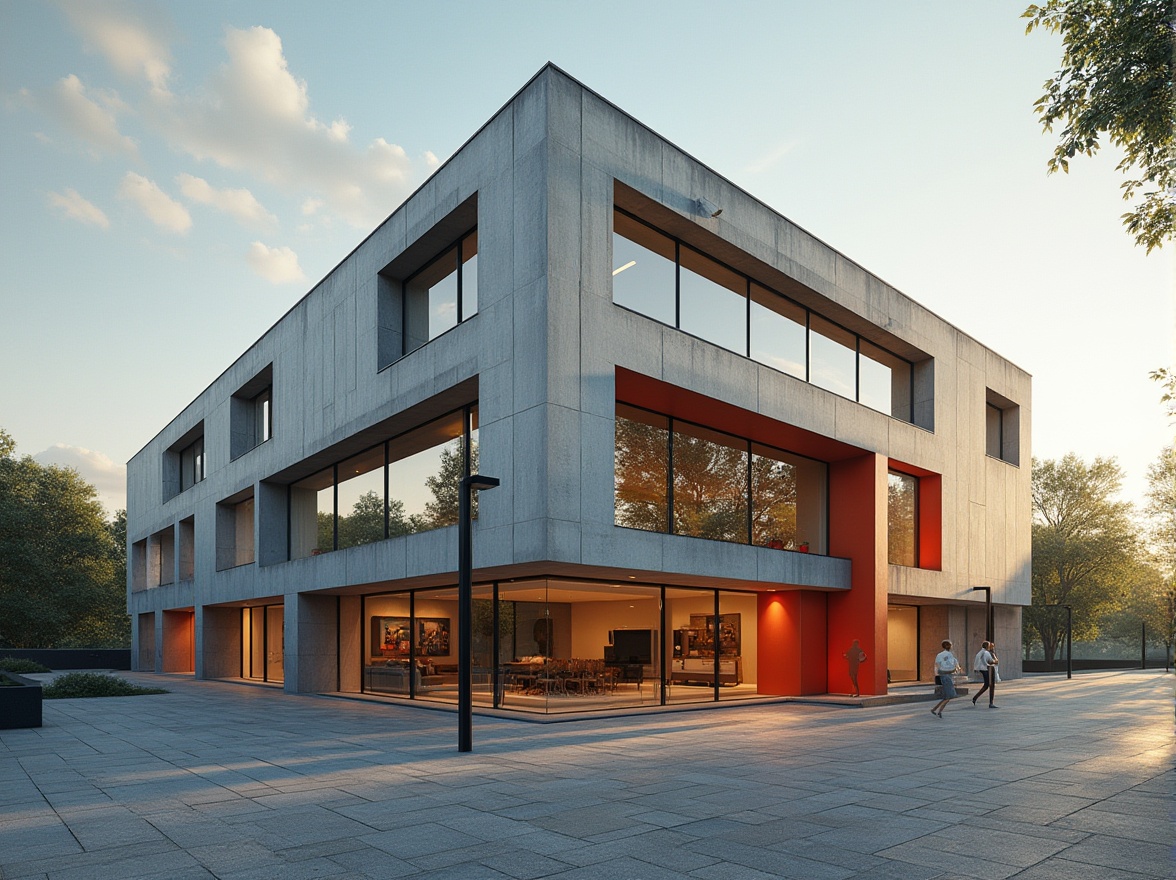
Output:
(255, 116)
(108, 477)
(89, 119)
(277, 265)
(77, 208)
(237, 203)
(310, 207)
(131, 45)
(159, 207)
(431, 159)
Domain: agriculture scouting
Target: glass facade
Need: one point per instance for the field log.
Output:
(675, 284)
(407, 484)
(675, 476)
(555, 646)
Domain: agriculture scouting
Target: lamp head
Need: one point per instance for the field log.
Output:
(708, 208)
(477, 481)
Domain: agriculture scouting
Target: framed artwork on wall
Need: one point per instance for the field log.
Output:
(390, 636)
(730, 633)
(433, 636)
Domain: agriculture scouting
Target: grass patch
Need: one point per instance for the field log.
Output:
(15, 664)
(94, 684)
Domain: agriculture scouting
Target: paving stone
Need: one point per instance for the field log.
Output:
(239, 782)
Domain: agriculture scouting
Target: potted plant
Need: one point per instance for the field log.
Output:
(20, 701)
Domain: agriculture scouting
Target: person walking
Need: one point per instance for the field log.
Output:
(946, 665)
(985, 663)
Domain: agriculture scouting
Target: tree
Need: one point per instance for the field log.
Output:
(62, 566)
(1159, 605)
(1116, 80)
(1083, 545)
(365, 523)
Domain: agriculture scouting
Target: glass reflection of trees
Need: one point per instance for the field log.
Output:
(902, 494)
(426, 501)
(710, 479)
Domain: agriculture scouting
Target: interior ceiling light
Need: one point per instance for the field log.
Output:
(628, 265)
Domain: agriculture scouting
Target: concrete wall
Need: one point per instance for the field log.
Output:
(543, 350)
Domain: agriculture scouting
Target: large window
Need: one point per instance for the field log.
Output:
(675, 476)
(406, 484)
(192, 464)
(903, 519)
(549, 645)
(675, 284)
(442, 294)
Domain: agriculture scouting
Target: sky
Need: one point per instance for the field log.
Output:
(174, 176)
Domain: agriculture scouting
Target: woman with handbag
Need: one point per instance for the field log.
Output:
(946, 665)
(985, 663)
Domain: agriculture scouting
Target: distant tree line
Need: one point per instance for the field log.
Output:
(62, 563)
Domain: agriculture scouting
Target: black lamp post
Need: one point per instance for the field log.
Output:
(988, 627)
(1069, 638)
(465, 609)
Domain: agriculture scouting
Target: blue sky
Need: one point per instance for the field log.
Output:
(174, 176)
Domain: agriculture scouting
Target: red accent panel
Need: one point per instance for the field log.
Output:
(931, 522)
(792, 646)
(857, 530)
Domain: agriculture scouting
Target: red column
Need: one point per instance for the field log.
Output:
(857, 530)
(790, 659)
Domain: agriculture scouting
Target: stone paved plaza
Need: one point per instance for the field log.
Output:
(1068, 779)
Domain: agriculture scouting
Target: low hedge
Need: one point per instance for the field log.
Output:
(19, 666)
(94, 684)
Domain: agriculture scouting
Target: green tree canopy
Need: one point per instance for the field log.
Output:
(1116, 80)
(1084, 544)
(62, 566)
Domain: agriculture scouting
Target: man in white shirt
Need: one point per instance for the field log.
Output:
(985, 663)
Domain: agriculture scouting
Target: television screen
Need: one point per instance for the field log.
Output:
(633, 646)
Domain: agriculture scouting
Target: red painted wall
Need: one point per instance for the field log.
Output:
(931, 522)
(857, 530)
(792, 643)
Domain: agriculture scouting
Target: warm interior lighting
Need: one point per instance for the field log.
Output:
(627, 265)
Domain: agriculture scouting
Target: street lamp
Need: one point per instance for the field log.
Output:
(988, 627)
(1069, 638)
(465, 608)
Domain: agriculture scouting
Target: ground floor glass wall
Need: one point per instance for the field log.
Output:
(554, 646)
(263, 643)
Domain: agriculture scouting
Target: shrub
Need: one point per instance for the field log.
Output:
(15, 664)
(94, 684)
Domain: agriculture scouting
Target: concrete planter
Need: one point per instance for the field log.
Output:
(20, 706)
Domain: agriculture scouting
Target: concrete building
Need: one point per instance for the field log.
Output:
(726, 451)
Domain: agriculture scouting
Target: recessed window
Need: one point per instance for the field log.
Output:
(442, 294)
(672, 282)
(234, 531)
(192, 464)
(251, 413)
(675, 476)
(406, 484)
(1002, 428)
(902, 502)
